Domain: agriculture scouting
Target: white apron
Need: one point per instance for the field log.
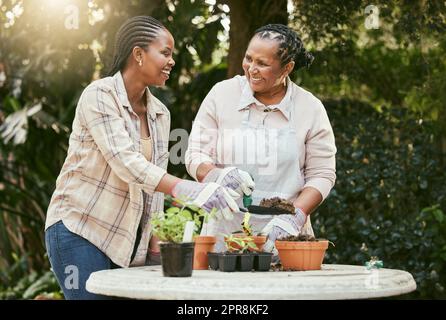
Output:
(271, 156)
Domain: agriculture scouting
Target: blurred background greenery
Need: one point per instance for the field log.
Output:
(380, 71)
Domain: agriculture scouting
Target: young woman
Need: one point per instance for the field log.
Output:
(114, 175)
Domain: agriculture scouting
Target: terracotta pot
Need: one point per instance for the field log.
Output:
(301, 255)
(203, 245)
(258, 240)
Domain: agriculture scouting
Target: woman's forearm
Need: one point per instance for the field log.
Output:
(203, 170)
(308, 200)
(167, 183)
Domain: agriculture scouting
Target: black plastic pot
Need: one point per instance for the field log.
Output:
(213, 260)
(262, 261)
(245, 261)
(177, 259)
(227, 262)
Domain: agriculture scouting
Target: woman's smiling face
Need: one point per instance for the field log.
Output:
(262, 66)
(157, 60)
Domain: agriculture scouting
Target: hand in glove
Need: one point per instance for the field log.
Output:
(232, 178)
(282, 226)
(208, 196)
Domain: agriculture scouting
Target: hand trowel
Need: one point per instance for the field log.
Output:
(247, 200)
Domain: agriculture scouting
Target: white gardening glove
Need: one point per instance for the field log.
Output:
(208, 196)
(283, 226)
(232, 178)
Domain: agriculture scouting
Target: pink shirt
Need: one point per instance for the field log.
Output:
(222, 109)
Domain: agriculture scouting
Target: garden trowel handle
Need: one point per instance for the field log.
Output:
(247, 201)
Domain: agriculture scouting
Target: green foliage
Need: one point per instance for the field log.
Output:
(27, 177)
(402, 63)
(246, 226)
(169, 225)
(33, 285)
(239, 243)
(389, 199)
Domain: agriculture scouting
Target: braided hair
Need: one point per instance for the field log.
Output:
(291, 47)
(137, 31)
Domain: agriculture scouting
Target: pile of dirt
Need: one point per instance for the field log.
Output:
(278, 203)
(301, 237)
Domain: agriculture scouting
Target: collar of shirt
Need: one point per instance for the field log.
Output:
(247, 99)
(153, 109)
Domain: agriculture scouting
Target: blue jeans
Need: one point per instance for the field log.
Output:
(73, 259)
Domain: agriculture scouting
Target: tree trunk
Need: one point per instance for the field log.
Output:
(442, 138)
(246, 16)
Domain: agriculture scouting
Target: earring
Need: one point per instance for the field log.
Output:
(140, 63)
(284, 81)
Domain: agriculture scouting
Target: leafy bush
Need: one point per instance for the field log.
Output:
(389, 199)
(33, 286)
(28, 173)
(169, 225)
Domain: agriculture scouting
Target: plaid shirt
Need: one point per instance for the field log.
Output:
(106, 187)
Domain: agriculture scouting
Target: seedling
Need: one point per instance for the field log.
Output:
(246, 226)
(242, 244)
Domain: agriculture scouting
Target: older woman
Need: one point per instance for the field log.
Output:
(267, 127)
(115, 175)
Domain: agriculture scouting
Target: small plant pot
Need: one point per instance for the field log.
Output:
(177, 259)
(227, 262)
(245, 262)
(301, 255)
(262, 261)
(203, 245)
(213, 260)
(259, 241)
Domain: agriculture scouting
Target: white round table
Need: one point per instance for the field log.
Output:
(331, 282)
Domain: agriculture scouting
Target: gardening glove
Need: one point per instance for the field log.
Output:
(208, 196)
(232, 178)
(282, 226)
